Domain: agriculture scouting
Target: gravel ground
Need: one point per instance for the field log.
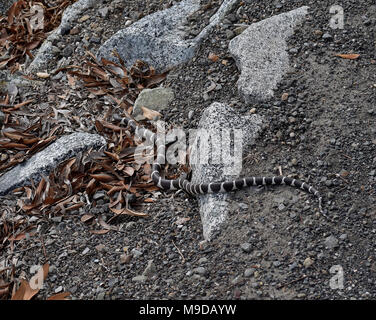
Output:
(320, 128)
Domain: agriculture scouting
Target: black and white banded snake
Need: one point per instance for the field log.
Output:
(214, 187)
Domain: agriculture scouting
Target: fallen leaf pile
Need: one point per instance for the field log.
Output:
(114, 80)
(114, 171)
(25, 27)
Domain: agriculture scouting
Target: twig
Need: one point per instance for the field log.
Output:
(43, 247)
(291, 282)
(181, 255)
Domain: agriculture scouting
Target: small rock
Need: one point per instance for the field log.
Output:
(58, 289)
(98, 195)
(136, 253)
(230, 34)
(155, 99)
(284, 96)
(101, 248)
(200, 270)
(75, 30)
(100, 295)
(84, 18)
(331, 242)
(327, 36)
(240, 29)
(246, 247)
(343, 236)
(103, 12)
(249, 272)
(125, 258)
(243, 206)
(308, 262)
(67, 51)
(150, 269)
(237, 280)
(190, 114)
(141, 278)
(203, 260)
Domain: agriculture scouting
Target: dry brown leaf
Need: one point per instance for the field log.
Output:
(213, 57)
(25, 292)
(351, 56)
(103, 231)
(102, 177)
(150, 114)
(129, 171)
(128, 212)
(86, 217)
(59, 296)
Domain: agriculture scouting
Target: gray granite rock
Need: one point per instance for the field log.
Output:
(44, 161)
(155, 99)
(261, 55)
(216, 122)
(158, 38)
(45, 52)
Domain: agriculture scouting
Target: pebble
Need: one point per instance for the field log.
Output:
(150, 269)
(308, 262)
(190, 114)
(85, 251)
(331, 242)
(249, 272)
(230, 34)
(58, 289)
(200, 270)
(237, 280)
(203, 260)
(125, 258)
(327, 36)
(136, 253)
(246, 247)
(141, 278)
(84, 18)
(343, 236)
(104, 12)
(100, 295)
(276, 263)
(243, 206)
(101, 248)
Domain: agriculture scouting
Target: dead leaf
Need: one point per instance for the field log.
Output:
(128, 212)
(213, 57)
(86, 217)
(103, 231)
(351, 56)
(150, 114)
(59, 296)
